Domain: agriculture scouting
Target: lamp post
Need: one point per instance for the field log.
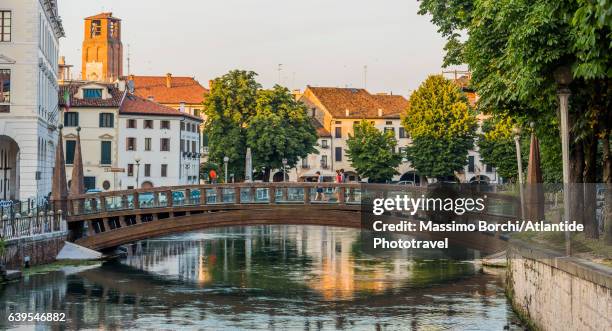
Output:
(137, 159)
(519, 164)
(225, 161)
(563, 77)
(284, 169)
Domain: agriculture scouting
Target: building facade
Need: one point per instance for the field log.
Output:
(94, 107)
(336, 110)
(158, 145)
(102, 58)
(29, 41)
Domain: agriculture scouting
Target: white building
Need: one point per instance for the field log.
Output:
(158, 145)
(29, 40)
(94, 107)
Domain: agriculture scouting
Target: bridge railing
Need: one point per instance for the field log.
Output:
(31, 225)
(216, 194)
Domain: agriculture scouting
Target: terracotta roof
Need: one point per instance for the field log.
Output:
(182, 89)
(321, 131)
(359, 102)
(135, 105)
(101, 16)
(114, 101)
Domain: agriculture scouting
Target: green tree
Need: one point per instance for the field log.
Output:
(206, 167)
(513, 49)
(231, 103)
(498, 149)
(441, 125)
(280, 129)
(372, 152)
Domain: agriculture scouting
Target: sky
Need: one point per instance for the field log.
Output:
(318, 42)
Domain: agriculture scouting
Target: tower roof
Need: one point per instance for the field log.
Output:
(108, 15)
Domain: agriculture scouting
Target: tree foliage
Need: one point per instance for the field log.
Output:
(372, 152)
(240, 114)
(441, 125)
(497, 147)
(280, 129)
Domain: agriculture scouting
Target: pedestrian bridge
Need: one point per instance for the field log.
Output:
(114, 218)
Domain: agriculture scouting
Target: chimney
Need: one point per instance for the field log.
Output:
(347, 112)
(380, 112)
(168, 80)
(182, 107)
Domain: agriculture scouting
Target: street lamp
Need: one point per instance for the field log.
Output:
(137, 159)
(517, 143)
(563, 77)
(284, 168)
(225, 161)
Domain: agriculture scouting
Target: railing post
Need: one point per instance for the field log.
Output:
(122, 221)
(103, 204)
(253, 193)
(156, 199)
(272, 194)
(306, 195)
(124, 202)
(187, 197)
(169, 198)
(136, 200)
(237, 192)
(219, 194)
(285, 193)
(106, 224)
(341, 195)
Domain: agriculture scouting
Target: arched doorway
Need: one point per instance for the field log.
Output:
(411, 176)
(481, 179)
(9, 168)
(278, 177)
(146, 184)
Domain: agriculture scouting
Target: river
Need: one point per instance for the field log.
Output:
(269, 278)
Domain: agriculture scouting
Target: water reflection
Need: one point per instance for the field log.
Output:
(267, 277)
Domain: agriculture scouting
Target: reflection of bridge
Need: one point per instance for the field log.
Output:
(119, 217)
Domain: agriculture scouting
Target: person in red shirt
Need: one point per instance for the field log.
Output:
(213, 176)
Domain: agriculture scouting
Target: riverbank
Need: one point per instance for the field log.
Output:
(553, 292)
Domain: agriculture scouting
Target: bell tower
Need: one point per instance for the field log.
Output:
(102, 58)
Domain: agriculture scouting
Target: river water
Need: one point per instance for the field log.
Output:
(270, 278)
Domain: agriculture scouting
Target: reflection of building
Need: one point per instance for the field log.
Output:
(337, 110)
(102, 58)
(29, 41)
(164, 140)
(95, 108)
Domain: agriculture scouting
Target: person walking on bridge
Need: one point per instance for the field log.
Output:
(213, 176)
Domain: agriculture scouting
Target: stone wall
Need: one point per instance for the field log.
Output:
(43, 249)
(559, 293)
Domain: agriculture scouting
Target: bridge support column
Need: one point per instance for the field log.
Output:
(90, 228)
(106, 224)
(122, 221)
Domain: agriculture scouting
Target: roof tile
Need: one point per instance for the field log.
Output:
(182, 89)
(359, 103)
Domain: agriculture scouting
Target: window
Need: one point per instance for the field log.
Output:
(130, 170)
(92, 93)
(148, 124)
(402, 132)
(471, 165)
(182, 145)
(96, 28)
(107, 120)
(147, 170)
(130, 144)
(131, 124)
(305, 163)
(165, 125)
(338, 153)
(489, 168)
(70, 146)
(106, 185)
(105, 152)
(196, 112)
(90, 182)
(71, 119)
(338, 132)
(182, 126)
(147, 144)
(164, 144)
(193, 146)
(402, 152)
(324, 144)
(164, 170)
(323, 161)
(390, 129)
(5, 25)
(5, 90)
(388, 123)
